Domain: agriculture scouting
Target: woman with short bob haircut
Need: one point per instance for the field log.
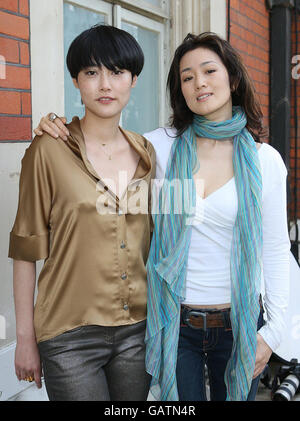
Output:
(88, 324)
(209, 263)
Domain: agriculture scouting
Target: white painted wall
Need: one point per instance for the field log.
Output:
(216, 19)
(197, 16)
(10, 164)
(47, 58)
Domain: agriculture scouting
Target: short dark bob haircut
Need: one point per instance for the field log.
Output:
(242, 89)
(104, 45)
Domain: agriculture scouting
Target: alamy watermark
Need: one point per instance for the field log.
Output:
(2, 327)
(167, 196)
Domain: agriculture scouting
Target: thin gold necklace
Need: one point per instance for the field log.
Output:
(109, 155)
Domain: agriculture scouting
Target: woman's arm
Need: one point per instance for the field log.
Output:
(27, 358)
(54, 128)
(276, 249)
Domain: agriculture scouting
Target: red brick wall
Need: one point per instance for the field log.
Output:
(15, 86)
(249, 34)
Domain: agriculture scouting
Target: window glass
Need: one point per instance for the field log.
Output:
(76, 20)
(155, 2)
(142, 112)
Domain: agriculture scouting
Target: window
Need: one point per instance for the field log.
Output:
(146, 109)
(76, 19)
(155, 2)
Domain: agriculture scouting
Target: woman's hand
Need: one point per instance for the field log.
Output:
(27, 361)
(54, 128)
(27, 357)
(263, 354)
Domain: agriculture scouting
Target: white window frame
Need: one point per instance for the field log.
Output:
(121, 14)
(144, 5)
(99, 6)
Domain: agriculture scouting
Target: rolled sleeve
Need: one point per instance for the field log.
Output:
(30, 248)
(29, 238)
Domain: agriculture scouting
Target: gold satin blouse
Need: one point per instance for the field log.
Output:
(94, 270)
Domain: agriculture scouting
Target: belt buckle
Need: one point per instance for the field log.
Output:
(196, 313)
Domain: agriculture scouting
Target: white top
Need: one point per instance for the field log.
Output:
(208, 272)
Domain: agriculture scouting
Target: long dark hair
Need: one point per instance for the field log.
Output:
(242, 88)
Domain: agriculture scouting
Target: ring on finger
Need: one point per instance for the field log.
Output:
(52, 117)
(29, 379)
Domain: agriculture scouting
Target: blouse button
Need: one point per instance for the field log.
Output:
(124, 276)
(126, 307)
(123, 245)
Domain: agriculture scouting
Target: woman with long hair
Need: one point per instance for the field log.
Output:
(205, 264)
(220, 237)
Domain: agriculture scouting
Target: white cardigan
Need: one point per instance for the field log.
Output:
(208, 273)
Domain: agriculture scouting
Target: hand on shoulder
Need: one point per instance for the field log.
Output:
(55, 128)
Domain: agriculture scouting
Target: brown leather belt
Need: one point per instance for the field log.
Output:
(203, 319)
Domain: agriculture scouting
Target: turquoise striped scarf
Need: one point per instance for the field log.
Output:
(167, 263)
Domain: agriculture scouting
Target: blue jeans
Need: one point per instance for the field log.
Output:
(197, 348)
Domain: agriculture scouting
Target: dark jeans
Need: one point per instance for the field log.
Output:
(197, 348)
(96, 363)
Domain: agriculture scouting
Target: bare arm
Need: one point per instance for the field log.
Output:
(27, 358)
